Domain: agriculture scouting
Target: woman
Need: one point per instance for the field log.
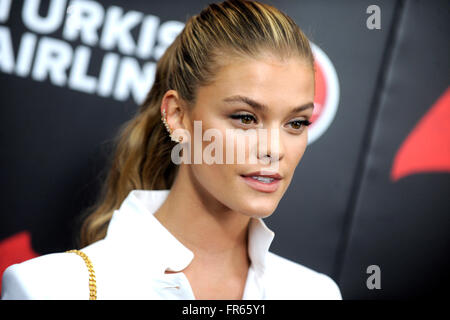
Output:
(193, 230)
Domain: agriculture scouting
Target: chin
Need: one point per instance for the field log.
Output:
(258, 208)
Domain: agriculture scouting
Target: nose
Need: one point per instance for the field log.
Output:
(270, 147)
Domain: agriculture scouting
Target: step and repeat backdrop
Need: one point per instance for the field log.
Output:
(369, 204)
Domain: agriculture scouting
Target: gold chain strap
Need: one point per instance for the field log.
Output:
(92, 282)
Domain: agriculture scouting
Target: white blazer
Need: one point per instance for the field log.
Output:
(130, 262)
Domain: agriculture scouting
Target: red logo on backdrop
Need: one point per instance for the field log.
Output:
(15, 249)
(326, 99)
(427, 147)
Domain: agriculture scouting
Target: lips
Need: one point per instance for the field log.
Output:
(269, 181)
(267, 174)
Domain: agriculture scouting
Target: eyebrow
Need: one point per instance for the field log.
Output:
(262, 107)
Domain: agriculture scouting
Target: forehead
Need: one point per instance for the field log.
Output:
(268, 79)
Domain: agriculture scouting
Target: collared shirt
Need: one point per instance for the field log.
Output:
(130, 263)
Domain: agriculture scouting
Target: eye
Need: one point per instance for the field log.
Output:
(245, 118)
(298, 124)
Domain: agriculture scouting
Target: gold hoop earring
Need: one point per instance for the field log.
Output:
(163, 118)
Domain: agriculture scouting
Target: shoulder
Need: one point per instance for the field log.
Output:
(286, 279)
(52, 276)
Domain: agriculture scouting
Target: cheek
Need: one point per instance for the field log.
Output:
(216, 180)
(295, 149)
(213, 173)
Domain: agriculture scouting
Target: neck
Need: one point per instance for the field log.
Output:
(204, 225)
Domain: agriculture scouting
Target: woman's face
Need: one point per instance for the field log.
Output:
(279, 86)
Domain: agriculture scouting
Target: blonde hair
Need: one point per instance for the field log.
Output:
(230, 29)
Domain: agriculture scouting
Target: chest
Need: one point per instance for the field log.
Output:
(207, 284)
(216, 287)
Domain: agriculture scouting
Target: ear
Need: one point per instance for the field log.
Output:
(176, 112)
(171, 103)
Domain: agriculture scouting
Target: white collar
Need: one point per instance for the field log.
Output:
(135, 224)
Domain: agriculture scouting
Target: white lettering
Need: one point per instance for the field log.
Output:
(79, 79)
(116, 31)
(25, 55)
(199, 310)
(198, 144)
(168, 31)
(185, 147)
(132, 79)
(107, 73)
(6, 51)
(374, 281)
(147, 36)
(53, 58)
(230, 141)
(84, 18)
(5, 8)
(87, 21)
(45, 25)
(374, 20)
(216, 146)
